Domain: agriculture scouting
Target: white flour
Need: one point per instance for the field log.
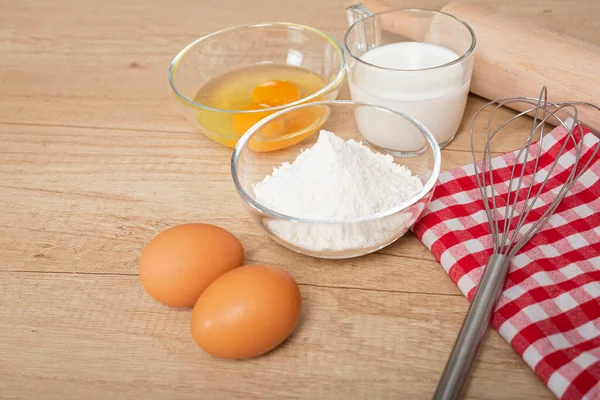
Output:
(337, 179)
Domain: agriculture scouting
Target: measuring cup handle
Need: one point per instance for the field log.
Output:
(356, 12)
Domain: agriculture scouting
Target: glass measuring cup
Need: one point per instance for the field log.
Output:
(415, 61)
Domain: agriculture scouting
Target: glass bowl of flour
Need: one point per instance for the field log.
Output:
(335, 194)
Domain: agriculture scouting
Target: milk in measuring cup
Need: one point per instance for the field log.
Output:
(436, 97)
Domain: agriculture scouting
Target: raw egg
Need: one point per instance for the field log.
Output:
(269, 94)
(254, 87)
(244, 121)
(275, 93)
(179, 263)
(246, 312)
(289, 129)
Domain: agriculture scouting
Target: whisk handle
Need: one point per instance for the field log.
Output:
(473, 329)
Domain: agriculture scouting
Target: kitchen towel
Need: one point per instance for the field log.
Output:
(549, 310)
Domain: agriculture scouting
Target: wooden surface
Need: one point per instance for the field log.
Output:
(96, 158)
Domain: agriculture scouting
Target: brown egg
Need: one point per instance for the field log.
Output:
(178, 264)
(246, 312)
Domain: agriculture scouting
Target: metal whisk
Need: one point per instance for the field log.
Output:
(509, 226)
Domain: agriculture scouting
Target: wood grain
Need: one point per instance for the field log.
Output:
(96, 158)
(349, 344)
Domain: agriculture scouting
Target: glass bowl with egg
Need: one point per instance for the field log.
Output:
(339, 192)
(231, 79)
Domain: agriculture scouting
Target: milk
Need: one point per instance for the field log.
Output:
(436, 97)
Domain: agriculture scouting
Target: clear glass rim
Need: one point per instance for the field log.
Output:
(427, 187)
(466, 54)
(339, 77)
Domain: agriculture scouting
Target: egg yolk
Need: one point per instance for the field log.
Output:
(274, 135)
(300, 124)
(244, 121)
(275, 93)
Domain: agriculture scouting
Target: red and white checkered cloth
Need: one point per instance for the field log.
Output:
(549, 310)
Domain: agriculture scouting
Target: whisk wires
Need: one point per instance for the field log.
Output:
(508, 215)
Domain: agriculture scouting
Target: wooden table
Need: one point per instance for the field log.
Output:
(96, 159)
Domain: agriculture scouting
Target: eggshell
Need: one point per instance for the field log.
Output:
(246, 312)
(178, 264)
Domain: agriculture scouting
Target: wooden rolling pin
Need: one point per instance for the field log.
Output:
(514, 59)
